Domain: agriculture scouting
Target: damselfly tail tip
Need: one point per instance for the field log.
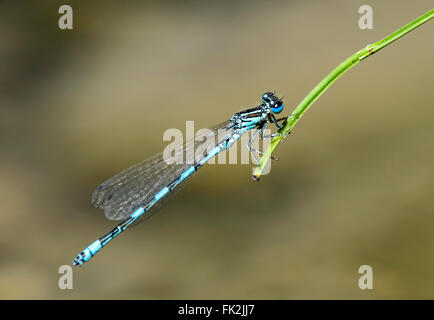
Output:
(256, 177)
(79, 260)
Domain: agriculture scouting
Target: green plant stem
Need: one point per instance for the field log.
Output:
(332, 77)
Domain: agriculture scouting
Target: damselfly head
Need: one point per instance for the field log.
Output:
(273, 102)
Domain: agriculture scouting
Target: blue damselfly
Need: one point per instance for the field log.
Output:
(129, 195)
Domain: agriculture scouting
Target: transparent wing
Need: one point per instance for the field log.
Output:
(120, 195)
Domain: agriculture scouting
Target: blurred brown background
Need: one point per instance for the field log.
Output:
(354, 184)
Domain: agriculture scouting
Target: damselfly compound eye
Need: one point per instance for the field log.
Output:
(277, 107)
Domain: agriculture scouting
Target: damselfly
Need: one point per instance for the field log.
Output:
(129, 195)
